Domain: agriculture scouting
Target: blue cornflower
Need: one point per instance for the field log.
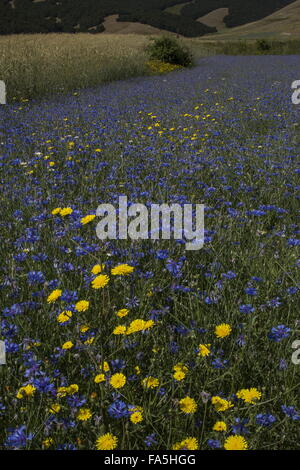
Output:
(240, 426)
(246, 308)
(214, 444)
(279, 332)
(218, 363)
(66, 447)
(69, 296)
(150, 440)
(265, 419)
(118, 409)
(118, 364)
(251, 291)
(44, 385)
(17, 438)
(291, 412)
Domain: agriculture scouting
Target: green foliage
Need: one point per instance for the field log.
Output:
(263, 45)
(170, 50)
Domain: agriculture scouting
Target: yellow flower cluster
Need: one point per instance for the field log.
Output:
(122, 270)
(26, 391)
(180, 371)
(160, 67)
(221, 404)
(70, 390)
(134, 327)
(62, 211)
(249, 395)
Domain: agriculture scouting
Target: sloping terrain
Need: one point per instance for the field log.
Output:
(193, 18)
(285, 23)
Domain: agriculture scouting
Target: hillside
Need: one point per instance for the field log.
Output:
(192, 18)
(285, 23)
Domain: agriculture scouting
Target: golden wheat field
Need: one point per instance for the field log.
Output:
(32, 64)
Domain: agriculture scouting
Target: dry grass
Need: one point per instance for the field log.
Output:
(37, 65)
(215, 18)
(112, 26)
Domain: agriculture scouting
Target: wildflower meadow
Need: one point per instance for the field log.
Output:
(142, 344)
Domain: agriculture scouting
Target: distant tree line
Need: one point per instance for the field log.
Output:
(27, 16)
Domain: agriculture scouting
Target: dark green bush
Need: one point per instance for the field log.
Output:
(170, 50)
(262, 45)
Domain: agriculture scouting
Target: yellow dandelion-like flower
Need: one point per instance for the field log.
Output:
(136, 417)
(249, 395)
(84, 328)
(54, 296)
(221, 404)
(100, 281)
(99, 378)
(137, 370)
(223, 330)
(106, 442)
(123, 312)
(61, 392)
(48, 442)
(220, 426)
(73, 388)
(97, 269)
(88, 218)
(235, 443)
(82, 305)
(26, 391)
(181, 367)
(104, 366)
(89, 340)
(117, 380)
(139, 325)
(150, 382)
(67, 345)
(179, 375)
(204, 350)
(119, 330)
(122, 270)
(64, 316)
(188, 405)
(84, 414)
(66, 211)
(190, 443)
(56, 211)
(55, 408)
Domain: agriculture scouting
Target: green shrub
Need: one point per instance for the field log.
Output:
(262, 45)
(169, 50)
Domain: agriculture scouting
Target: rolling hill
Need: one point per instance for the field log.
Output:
(191, 18)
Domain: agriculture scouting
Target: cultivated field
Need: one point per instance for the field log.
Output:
(142, 344)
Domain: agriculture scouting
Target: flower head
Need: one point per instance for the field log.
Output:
(54, 296)
(117, 380)
(188, 405)
(235, 443)
(222, 330)
(122, 270)
(100, 281)
(106, 442)
(82, 305)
